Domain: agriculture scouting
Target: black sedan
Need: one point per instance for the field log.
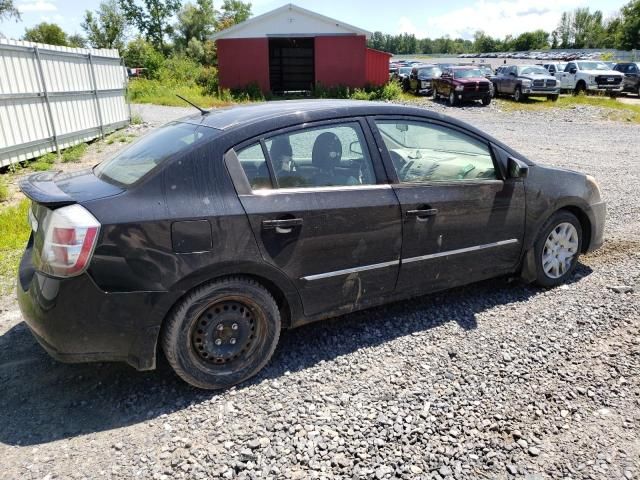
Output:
(211, 234)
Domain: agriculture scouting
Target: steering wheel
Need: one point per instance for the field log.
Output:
(402, 173)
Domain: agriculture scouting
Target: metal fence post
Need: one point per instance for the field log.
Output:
(126, 86)
(46, 99)
(95, 95)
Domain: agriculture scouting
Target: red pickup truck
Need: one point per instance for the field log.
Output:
(461, 84)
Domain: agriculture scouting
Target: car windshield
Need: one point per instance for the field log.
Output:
(143, 156)
(430, 72)
(592, 66)
(533, 71)
(486, 69)
(404, 70)
(467, 73)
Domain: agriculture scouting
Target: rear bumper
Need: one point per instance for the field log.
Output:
(597, 214)
(75, 321)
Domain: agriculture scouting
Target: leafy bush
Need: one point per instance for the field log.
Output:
(74, 153)
(208, 80)
(48, 158)
(179, 70)
(140, 53)
(39, 166)
(322, 91)
(15, 232)
(250, 92)
(390, 91)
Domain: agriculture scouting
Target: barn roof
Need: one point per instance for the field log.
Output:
(289, 21)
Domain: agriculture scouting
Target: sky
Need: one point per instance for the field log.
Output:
(424, 18)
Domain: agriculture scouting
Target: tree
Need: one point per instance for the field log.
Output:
(484, 43)
(76, 40)
(630, 26)
(195, 21)
(140, 53)
(106, 27)
(232, 12)
(48, 33)
(8, 10)
(151, 18)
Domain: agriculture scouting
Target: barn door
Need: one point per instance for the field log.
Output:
(291, 62)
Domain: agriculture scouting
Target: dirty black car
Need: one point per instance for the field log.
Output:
(210, 235)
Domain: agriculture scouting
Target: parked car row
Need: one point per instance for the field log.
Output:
(561, 55)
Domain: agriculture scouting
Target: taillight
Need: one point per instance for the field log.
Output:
(70, 235)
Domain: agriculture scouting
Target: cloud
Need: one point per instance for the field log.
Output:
(38, 6)
(497, 18)
(52, 18)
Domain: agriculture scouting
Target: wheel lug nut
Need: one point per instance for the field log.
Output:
(232, 341)
(218, 341)
(234, 326)
(220, 327)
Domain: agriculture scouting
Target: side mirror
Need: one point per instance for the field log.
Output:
(517, 168)
(573, 70)
(513, 74)
(403, 127)
(355, 147)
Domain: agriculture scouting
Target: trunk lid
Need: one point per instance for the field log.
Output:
(57, 189)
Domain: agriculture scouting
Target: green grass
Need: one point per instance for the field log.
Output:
(612, 109)
(15, 233)
(40, 166)
(136, 119)
(4, 191)
(75, 153)
(153, 91)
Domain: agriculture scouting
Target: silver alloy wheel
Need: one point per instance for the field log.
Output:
(517, 95)
(559, 250)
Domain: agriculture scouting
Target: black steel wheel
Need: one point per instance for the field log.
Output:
(222, 333)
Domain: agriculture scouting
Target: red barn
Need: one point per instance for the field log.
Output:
(293, 49)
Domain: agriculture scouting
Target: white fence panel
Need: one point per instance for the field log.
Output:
(54, 97)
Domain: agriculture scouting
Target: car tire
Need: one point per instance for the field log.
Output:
(553, 98)
(452, 99)
(638, 90)
(495, 91)
(486, 100)
(581, 87)
(222, 333)
(434, 94)
(517, 94)
(557, 249)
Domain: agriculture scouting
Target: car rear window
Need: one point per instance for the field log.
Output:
(133, 163)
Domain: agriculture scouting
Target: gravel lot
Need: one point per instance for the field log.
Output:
(494, 380)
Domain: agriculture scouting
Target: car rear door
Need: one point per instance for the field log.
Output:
(463, 221)
(328, 218)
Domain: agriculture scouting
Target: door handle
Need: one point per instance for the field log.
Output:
(282, 226)
(428, 212)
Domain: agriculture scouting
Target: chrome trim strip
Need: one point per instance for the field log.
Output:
(460, 250)
(340, 188)
(350, 270)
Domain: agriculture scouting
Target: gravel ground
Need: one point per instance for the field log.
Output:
(494, 380)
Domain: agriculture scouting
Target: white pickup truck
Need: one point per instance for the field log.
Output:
(590, 76)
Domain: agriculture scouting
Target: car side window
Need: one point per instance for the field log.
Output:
(632, 69)
(333, 155)
(423, 152)
(569, 67)
(255, 167)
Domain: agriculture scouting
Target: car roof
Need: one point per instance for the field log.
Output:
(279, 114)
(228, 118)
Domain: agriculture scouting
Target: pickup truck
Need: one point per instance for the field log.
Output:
(461, 84)
(631, 72)
(523, 81)
(420, 79)
(590, 76)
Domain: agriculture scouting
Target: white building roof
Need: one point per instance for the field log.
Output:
(289, 21)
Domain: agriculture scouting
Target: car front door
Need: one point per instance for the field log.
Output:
(631, 77)
(463, 221)
(322, 212)
(568, 81)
